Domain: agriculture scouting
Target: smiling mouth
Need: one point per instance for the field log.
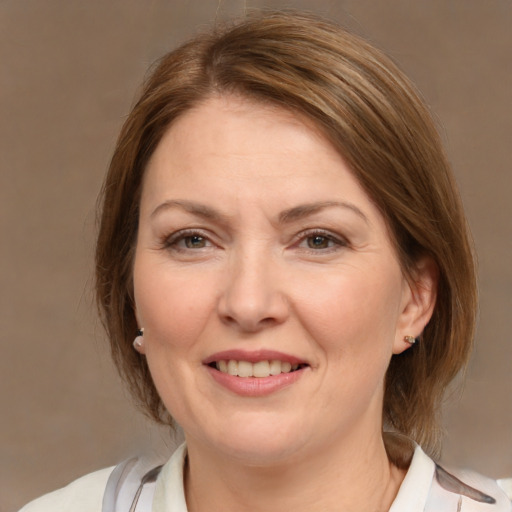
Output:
(259, 369)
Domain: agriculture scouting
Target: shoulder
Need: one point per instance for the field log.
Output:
(82, 495)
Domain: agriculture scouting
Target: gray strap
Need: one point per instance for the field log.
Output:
(130, 487)
(452, 484)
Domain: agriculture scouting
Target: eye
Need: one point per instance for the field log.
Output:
(321, 241)
(318, 242)
(194, 242)
(187, 240)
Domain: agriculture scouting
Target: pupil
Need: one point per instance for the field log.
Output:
(193, 242)
(318, 242)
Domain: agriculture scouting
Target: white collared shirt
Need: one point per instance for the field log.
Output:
(421, 491)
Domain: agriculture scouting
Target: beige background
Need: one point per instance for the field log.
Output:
(68, 72)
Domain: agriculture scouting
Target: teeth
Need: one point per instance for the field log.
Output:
(275, 367)
(244, 369)
(233, 368)
(259, 369)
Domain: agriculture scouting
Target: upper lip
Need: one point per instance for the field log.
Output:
(253, 356)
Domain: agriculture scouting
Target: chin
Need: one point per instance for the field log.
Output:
(260, 443)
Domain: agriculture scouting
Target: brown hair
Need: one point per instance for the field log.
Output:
(372, 114)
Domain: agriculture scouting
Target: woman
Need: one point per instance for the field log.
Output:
(282, 236)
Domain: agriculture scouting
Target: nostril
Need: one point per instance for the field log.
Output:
(249, 323)
(252, 299)
(267, 321)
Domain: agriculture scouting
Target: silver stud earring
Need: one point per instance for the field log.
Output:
(410, 339)
(138, 342)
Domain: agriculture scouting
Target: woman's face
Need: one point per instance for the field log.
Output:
(259, 254)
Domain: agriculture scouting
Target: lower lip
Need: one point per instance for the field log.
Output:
(256, 386)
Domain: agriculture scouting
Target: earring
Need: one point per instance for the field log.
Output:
(410, 339)
(138, 342)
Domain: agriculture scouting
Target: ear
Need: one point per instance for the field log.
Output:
(418, 302)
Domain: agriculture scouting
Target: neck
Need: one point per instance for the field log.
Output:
(356, 477)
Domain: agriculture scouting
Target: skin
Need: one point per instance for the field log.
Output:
(322, 284)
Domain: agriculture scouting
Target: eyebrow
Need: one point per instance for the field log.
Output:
(291, 215)
(304, 210)
(192, 207)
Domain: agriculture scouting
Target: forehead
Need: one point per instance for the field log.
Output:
(241, 125)
(233, 149)
(231, 136)
(228, 148)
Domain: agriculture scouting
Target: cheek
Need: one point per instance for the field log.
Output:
(173, 307)
(351, 312)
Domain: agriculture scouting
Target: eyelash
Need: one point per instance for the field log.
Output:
(171, 242)
(334, 242)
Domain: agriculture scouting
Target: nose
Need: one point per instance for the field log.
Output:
(252, 298)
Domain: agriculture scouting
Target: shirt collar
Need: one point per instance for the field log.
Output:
(412, 495)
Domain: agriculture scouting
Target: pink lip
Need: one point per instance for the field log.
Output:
(255, 386)
(253, 356)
